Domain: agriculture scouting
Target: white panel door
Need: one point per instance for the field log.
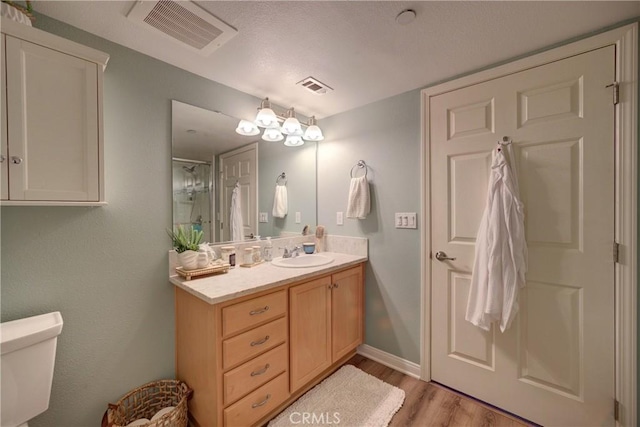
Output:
(555, 365)
(53, 124)
(4, 159)
(240, 166)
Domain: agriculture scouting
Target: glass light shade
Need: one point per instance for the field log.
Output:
(247, 128)
(266, 118)
(293, 141)
(291, 126)
(272, 135)
(313, 133)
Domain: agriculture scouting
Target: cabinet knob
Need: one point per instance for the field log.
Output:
(16, 160)
(2, 158)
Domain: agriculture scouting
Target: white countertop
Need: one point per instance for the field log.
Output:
(240, 281)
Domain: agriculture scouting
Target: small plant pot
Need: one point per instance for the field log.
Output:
(188, 260)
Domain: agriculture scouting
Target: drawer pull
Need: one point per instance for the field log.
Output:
(262, 341)
(260, 372)
(257, 405)
(260, 311)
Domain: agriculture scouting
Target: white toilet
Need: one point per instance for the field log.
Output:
(28, 349)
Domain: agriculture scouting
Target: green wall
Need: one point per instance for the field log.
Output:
(386, 135)
(105, 268)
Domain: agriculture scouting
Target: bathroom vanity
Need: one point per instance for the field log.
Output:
(253, 340)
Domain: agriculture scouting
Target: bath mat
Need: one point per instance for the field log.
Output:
(349, 397)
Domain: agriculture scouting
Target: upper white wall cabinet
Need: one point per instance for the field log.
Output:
(52, 129)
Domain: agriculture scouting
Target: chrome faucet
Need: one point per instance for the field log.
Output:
(292, 253)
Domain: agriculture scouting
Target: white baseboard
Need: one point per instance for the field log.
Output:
(392, 361)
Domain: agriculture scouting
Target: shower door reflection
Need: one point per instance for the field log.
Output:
(192, 195)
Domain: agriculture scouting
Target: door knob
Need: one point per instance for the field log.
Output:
(441, 256)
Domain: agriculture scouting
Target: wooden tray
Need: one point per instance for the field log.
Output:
(216, 269)
(252, 264)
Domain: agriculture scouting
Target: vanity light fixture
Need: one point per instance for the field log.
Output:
(293, 141)
(272, 135)
(313, 132)
(266, 117)
(247, 128)
(291, 126)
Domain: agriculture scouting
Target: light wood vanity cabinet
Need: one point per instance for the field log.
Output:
(52, 130)
(240, 356)
(325, 323)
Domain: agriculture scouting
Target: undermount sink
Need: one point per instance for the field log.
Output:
(302, 260)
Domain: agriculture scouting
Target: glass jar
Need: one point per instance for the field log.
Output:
(248, 256)
(257, 253)
(228, 255)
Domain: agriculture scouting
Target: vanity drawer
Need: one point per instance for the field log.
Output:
(251, 343)
(243, 315)
(254, 373)
(256, 405)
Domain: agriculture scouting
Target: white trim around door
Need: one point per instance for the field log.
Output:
(625, 40)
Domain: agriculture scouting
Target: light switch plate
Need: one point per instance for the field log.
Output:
(339, 218)
(406, 220)
(297, 217)
(264, 217)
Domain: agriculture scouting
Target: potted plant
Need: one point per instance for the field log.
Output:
(18, 13)
(185, 243)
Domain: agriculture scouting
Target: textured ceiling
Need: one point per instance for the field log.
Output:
(356, 47)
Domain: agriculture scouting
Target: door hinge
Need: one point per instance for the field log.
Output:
(616, 252)
(616, 410)
(616, 92)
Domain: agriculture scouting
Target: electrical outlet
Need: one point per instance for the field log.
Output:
(406, 220)
(339, 218)
(264, 217)
(298, 218)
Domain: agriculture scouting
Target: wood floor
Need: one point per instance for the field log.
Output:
(429, 404)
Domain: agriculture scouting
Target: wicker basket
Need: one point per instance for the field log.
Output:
(145, 401)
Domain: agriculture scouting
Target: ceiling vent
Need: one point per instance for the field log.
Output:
(314, 86)
(184, 21)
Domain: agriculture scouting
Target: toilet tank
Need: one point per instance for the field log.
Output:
(28, 350)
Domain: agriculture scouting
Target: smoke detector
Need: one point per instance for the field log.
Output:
(314, 86)
(185, 22)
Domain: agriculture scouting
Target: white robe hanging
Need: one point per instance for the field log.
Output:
(235, 216)
(501, 250)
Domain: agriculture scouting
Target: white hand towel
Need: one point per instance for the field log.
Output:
(359, 200)
(501, 250)
(280, 203)
(235, 216)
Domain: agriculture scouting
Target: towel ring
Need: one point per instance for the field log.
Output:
(283, 177)
(360, 165)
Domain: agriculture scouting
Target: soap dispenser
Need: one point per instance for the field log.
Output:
(268, 250)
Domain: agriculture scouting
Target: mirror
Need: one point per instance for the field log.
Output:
(209, 159)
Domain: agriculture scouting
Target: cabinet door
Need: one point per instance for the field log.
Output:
(346, 312)
(4, 160)
(52, 107)
(310, 330)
